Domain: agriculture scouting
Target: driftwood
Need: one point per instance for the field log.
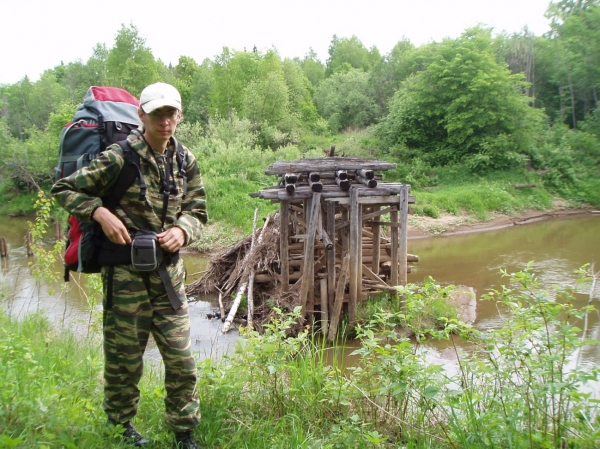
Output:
(247, 276)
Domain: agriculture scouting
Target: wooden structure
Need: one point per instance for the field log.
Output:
(332, 246)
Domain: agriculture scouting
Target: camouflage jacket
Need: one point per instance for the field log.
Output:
(81, 192)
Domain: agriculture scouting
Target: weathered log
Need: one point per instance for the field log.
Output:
(341, 174)
(316, 186)
(343, 183)
(367, 174)
(327, 164)
(370, 183)
(291, 178)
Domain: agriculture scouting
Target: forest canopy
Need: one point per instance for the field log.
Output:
(483, 101)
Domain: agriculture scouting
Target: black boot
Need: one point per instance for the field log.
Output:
(185, 440)
(130, 435)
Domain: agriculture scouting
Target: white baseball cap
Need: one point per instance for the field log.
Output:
(158, 95)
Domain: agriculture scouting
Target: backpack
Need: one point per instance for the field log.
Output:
(106, 116)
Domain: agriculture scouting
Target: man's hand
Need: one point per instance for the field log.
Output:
(113, 228)
(171, 240)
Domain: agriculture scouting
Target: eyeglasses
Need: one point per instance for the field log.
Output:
(158, 114)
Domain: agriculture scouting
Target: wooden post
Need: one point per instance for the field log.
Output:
(28, 244)
(331, 253)
(339, 298)
(355, 262)
(308, 272)
(324, 305)
(284, 239)
(3, 247)
(402, 244)
(394, 250)
(57, 231)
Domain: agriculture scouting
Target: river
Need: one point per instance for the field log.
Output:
(556, 247)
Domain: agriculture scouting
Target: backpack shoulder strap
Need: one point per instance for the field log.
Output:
(129, 173)
(182, 164)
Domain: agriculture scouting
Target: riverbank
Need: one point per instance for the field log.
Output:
(449, 224)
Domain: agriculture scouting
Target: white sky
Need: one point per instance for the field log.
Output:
(36, 35)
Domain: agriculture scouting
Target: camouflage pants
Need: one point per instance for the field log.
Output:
(140, 306)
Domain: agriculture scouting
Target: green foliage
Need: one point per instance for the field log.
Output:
(418, 310)
(350, 52)
(49, 383)
(465, 107)
(130, 63)
(343, 99)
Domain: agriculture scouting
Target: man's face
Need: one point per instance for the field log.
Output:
(161, 123)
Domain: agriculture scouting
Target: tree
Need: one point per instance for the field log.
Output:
(232, 72)
(300, 95)
(312, 68)
(385, 76)
(343, 99)
(465, 107)
(130, 64)
(575, 32)
(344, 51)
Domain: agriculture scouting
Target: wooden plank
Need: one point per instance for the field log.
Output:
(284, 241)
(339, 298)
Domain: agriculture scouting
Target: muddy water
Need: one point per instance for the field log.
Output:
(556, 247)
(21, 294)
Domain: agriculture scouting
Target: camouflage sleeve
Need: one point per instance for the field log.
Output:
(193, 208)
(80, 193)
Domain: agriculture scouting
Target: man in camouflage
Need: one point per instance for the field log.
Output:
(136, 303)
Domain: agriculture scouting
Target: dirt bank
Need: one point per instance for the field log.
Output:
(448, 224)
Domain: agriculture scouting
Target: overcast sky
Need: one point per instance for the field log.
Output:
(36, 35)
